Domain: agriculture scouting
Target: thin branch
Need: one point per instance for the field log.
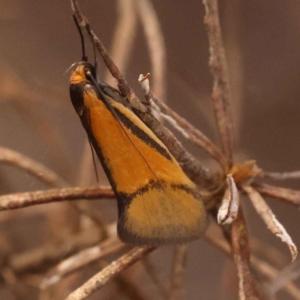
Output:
(193, 168)
(260, 265)
(31, 167)
(100, 279)
(241, 254)
(47, 255)
(20, 200)
(285, 276)
(221, 97)
(269, 218)
(181, 124)
(124, 34)
(156, 45)
(280, 193)
(153, 274)
(281, 176)
(80, 260)
(177, 273)
(272, 274)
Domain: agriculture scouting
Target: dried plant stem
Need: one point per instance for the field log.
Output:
(177, 273)
(289, 273)
(272, 273)
(124, 34)
(156, 45)
(280, 193)
(192, 133)
(42, 257)
(153, 274)
(261, 266)
(221, 97)
(100, 279)
(269, 218)
(20, 200)
(31, 167)
(200, 175)
(282, 176)
(80, 260)
(241, 255)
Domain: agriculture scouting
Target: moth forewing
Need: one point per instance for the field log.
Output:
(157, 202)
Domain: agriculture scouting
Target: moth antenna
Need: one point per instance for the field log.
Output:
(94, 50)
(94, 161)
(84, 57)
(111, 109)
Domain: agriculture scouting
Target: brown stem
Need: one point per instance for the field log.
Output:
(31, 167)
(154, 275)
(281, 176)
(80, 260)
(46, 256)
(280, 193)
(156, 45)
(259, 265)
(20, 200)
(221, 97)
(100, 279)
(177, 273)
(241, 255)
(195, 135)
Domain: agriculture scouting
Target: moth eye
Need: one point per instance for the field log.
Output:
(88, 74)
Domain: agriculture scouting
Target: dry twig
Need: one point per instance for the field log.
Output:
(282, 176)
(31, 167)
(20, 200)
(100, 279)
(221, 97)
(80, 260)
(47, 255)
(272, 223)
(153, 273)
(280, 193)
(177, 273)
(156, 45)
(241, 254)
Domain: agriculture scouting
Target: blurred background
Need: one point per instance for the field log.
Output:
(39, 42)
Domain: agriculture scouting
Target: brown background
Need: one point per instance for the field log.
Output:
(38, 44)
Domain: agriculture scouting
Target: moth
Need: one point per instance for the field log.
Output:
(157, 203)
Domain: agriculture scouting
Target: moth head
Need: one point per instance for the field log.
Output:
(82, 72)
